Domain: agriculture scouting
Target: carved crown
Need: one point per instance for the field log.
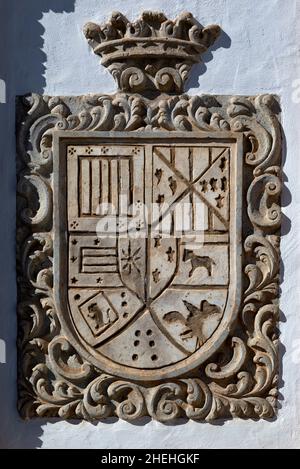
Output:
(153, 53)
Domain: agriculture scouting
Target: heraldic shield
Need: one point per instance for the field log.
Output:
(152, 245)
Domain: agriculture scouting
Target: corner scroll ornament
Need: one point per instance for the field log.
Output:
(238, 376)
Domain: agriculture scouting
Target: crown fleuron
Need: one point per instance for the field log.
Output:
(152, 53)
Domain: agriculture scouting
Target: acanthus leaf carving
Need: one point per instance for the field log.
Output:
(263, 274)
(263, 197)
(54, 379)
(216, 371)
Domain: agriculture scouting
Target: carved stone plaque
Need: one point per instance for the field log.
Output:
(148, 243)
(139, 297)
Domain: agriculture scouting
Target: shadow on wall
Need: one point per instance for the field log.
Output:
(29, 56)
(223, 41)
(22, 70)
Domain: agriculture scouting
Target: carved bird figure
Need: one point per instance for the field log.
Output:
(195, 320)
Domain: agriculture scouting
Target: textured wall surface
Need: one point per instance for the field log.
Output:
(43, 50)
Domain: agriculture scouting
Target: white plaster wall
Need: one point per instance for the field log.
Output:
(43, 50)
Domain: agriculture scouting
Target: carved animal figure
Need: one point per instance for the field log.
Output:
(198, 261)
(195, 320)
(101, 318)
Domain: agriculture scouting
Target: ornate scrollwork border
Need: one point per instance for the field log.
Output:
(53, 378)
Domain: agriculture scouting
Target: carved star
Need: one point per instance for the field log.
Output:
(130, 259)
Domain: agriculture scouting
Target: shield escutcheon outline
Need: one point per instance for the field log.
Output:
(70, 314)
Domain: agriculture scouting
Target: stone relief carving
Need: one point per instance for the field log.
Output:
(150, 324)
(152, 53)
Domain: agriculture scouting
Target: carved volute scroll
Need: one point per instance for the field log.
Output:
(122, 310)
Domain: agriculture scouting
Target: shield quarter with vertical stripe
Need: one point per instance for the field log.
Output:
(155, 303)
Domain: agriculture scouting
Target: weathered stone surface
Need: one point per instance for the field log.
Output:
(153, 53)
(122, 310)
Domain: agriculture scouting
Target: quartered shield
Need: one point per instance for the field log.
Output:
(152, 248)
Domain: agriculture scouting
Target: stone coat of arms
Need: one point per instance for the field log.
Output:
(148, 239)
